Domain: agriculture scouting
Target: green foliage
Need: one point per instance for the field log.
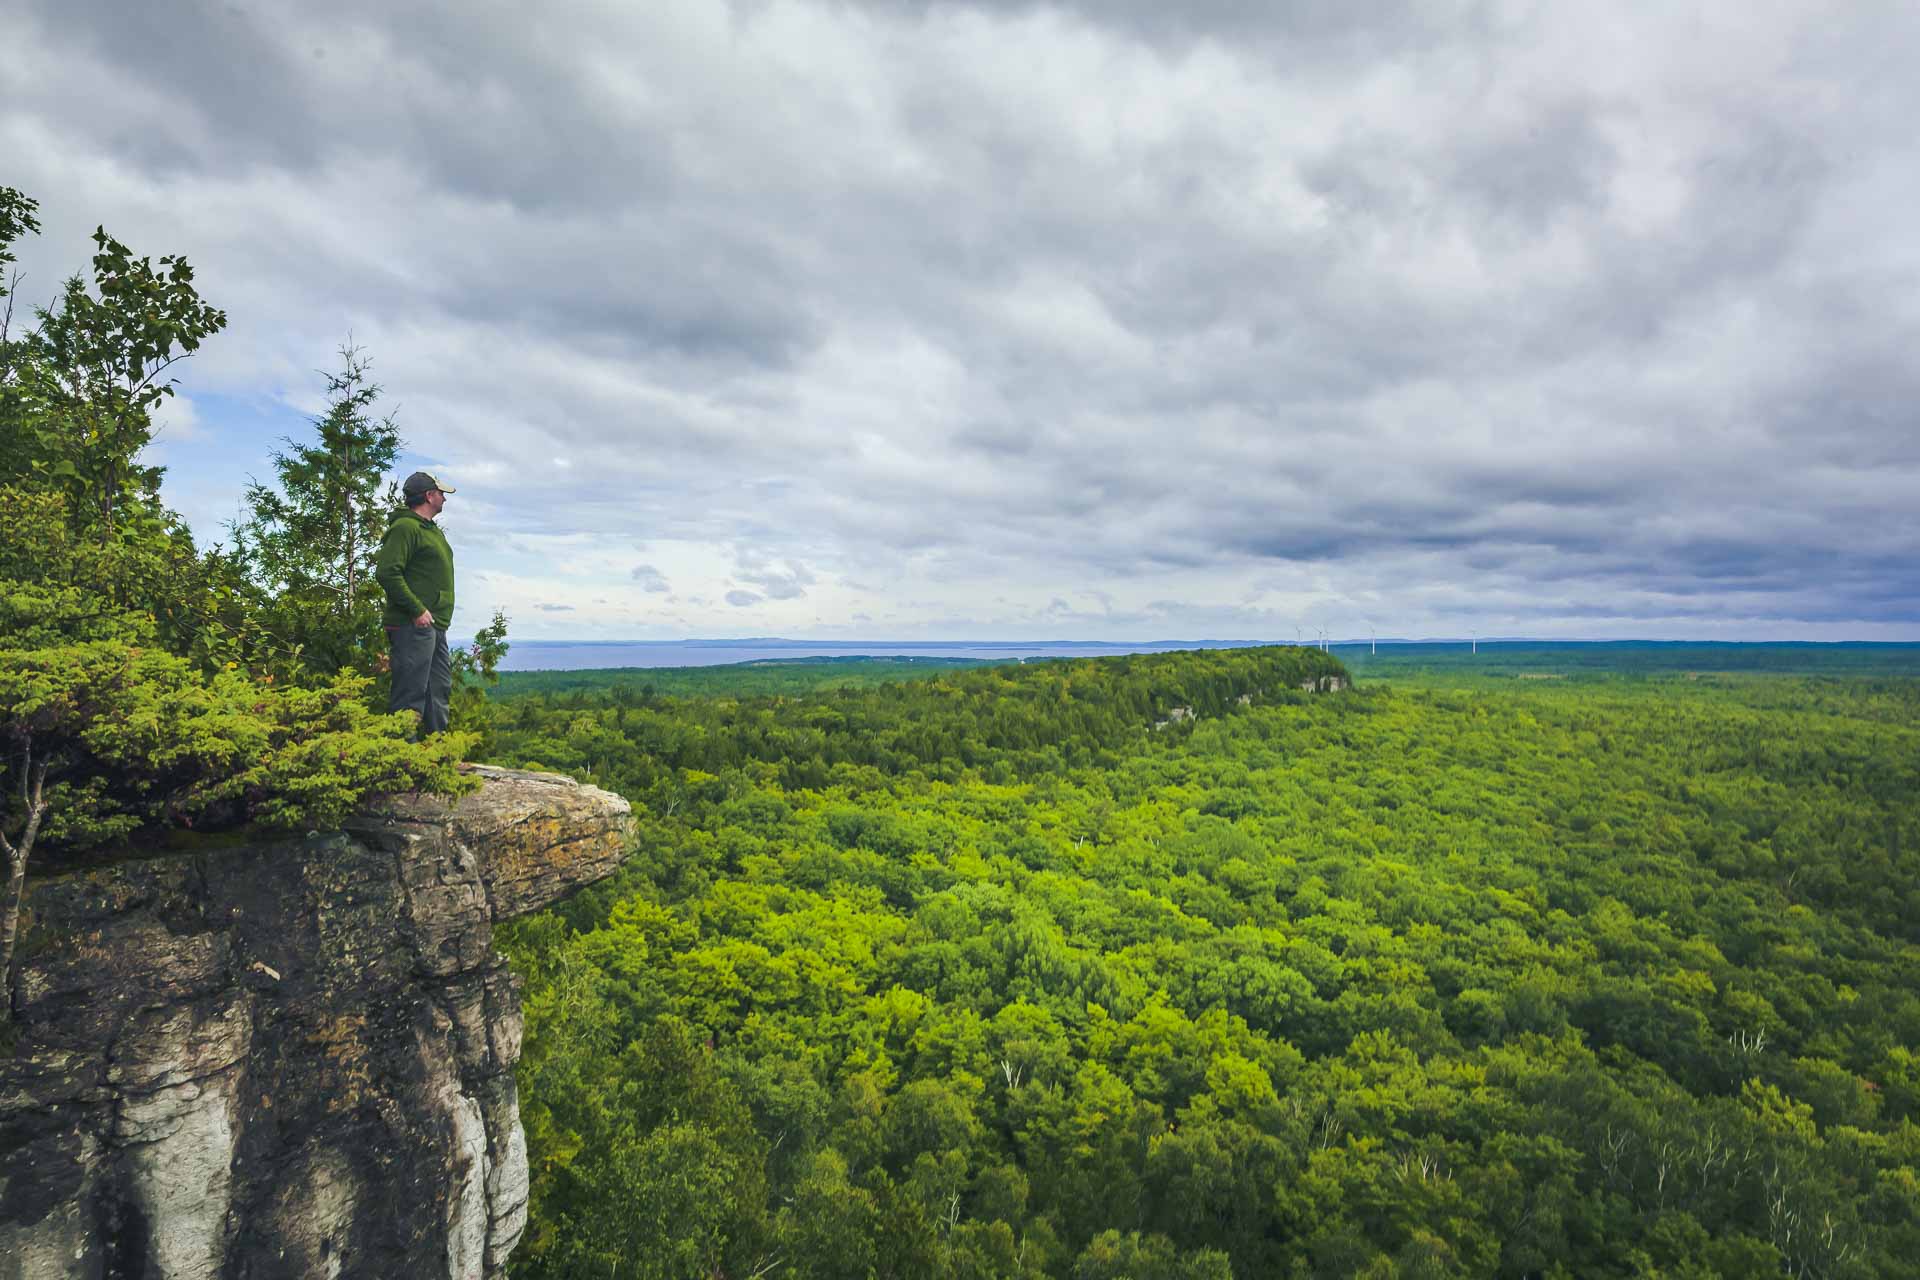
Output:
(88, 378)
(476, 670)
(1009, 719)
(678, 1166)
(1429, 662)
(16, 219)
(136, 672)
(735, 679)
(58, 583)
(309, 545)
(1556, 978)
(139, 728)
(82, 510)
(1112, 1256)
(138, 737)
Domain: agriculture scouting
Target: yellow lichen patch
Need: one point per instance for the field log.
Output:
(341, 1044)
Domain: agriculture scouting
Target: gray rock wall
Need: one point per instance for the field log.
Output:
(287, 1060)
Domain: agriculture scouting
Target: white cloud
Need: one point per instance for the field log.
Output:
(906, 316)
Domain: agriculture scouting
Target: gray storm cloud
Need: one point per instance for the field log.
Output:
(1588, 322)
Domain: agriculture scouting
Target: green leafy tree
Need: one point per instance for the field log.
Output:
(95, 370)
(17, 218)
(309, 545)
(17, 451)
(1113, 1256)
(76, 395)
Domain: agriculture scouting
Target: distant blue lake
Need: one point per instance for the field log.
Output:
(564, 655)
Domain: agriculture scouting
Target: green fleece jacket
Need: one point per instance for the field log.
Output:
(415, 569)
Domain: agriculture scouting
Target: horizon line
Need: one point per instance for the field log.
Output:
(740, 641)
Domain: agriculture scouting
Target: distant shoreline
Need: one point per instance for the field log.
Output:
(573, 655)
(578, 655)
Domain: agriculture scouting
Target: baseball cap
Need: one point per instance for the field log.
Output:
(418, 483)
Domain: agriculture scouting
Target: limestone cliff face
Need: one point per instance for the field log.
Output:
(288, 1059)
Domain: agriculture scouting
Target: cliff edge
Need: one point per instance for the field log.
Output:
(287, 1059)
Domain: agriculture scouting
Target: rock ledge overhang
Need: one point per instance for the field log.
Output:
(288, 1058)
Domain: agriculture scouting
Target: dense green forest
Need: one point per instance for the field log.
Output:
(1426, 662)
(1012, 972)
(1622, 659)
(771, 675)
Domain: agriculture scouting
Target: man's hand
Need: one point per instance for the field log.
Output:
(425, 619)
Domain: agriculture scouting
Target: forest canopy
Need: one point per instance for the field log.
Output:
(1010, 972)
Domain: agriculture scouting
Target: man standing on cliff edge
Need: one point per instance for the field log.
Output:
(415, 569)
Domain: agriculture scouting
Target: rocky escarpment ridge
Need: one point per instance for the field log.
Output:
(289, 1059)
(1313, 684)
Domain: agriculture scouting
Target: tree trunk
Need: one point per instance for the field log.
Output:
(352, 526)
(34, 793)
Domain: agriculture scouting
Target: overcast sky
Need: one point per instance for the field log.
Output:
(1117, 320)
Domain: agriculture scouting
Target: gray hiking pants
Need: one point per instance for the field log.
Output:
(422, 674)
